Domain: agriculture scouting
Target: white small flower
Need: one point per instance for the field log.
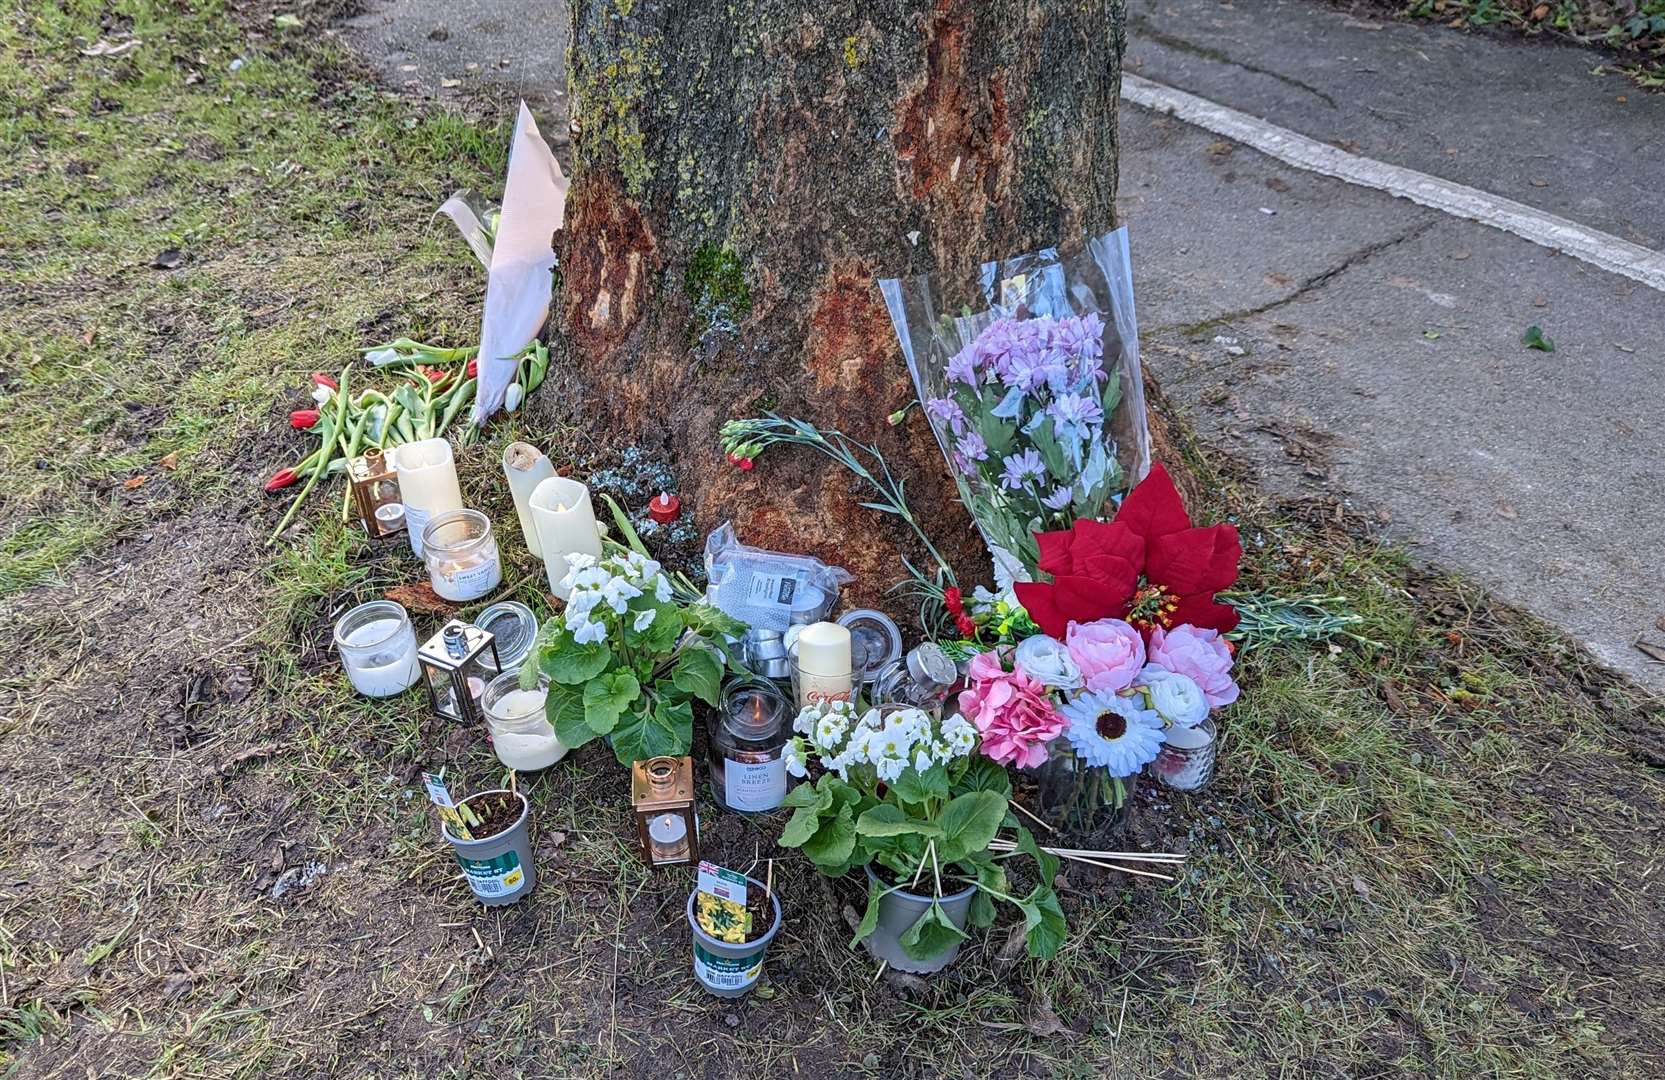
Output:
(941, 752)
(578, 560)
(662, 589)
(872, 720)
(794, 758)
(582, 602)
(618, 593)
(1048, 661)
(644, 619)
(588, 632)
(829, 731)
(922, 760)
(889, 768)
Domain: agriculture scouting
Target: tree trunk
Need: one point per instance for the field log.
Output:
(744, 172)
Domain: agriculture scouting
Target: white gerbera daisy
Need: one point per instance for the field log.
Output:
(1113, 732)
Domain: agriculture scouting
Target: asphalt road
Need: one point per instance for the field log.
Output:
(1362, 347)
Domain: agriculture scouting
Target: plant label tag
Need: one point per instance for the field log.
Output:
(723, 884)
(437, 792)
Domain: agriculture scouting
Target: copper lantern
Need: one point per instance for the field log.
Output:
(375, 487)
(662, 796)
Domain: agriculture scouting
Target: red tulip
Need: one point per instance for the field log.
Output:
(472, 371)
(746, 464)
(301, 419)
(1096, 567)
(282, 479)
(320, 379)
(435, 375)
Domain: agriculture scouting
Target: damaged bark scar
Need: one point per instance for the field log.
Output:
(604, 277)
(951, 135)
(851, 342)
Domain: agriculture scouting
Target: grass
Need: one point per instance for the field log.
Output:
(1429, 858)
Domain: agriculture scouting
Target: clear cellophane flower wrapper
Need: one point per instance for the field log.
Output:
(1030, 377)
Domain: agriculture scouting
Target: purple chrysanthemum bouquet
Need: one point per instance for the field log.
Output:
(1032, 388)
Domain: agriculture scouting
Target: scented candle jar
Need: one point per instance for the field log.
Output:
(748, 743)
(1186, 761)
(461, 554)
(378, 649)
(521, 734)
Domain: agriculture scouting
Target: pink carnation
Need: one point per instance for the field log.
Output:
(1109, 652)
(1200, 654)
(1012, 711)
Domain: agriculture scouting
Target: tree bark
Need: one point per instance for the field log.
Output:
(742, 175)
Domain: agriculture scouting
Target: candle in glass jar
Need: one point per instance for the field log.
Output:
(1186, 762)
(378, 649)
(462, 557)
(566, 526)
(427, 484)
(521, 734)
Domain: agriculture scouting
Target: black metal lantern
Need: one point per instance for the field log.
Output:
(457, 663)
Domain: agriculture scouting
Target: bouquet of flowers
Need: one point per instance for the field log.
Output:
(1033, 389)
(903, 793)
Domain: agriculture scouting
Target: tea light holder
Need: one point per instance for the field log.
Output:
(748, 744)
(376, 493)
(1186, 761)
(662, 797)
(457, 664)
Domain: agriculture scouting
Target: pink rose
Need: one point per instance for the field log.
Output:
(1012, 711)
(1202, 655)
(1109, 652)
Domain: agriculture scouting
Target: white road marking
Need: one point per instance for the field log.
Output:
(1580, 241)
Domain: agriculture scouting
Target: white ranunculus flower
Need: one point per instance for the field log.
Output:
(1176, 698)
(1048, 661)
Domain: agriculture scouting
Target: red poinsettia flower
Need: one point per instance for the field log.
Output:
(1096, 566)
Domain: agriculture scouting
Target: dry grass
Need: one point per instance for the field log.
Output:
(1436, 858)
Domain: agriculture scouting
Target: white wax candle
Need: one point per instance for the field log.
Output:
(566, 526)
(427, 484)
(526, 467)
(667, 830)
(391, 669)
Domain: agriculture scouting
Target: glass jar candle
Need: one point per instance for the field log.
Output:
(521, 734)
(378, 649)
(461, 554)
(748, 741)
(1186, 761)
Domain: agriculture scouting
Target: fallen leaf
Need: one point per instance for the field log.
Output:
(133, 483)
(1277, 184)
(1656, 652)
(1460, 255)
(1540, 301)
(1505, 510)
(1534, 339)
(1361, 887)
(170, 460)
(253, 753)
(1220, 149)
(1660, 622)
(1538, 183)
(1043, 1022)
(1279, 281)
(170, 259)
(1014, 945)
(420, 597)
(1431, 335)
(286, 21)
(90, 335)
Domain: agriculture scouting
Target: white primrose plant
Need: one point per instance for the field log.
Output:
(906, 793)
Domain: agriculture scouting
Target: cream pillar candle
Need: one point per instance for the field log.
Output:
(566, 526)
(427, 484)
(526, 467)
(822, 672)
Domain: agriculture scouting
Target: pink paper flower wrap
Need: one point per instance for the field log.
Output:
(1012, 711)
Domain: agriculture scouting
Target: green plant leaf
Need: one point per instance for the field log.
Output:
(990, 875)
(984, 775)
(661, 634)
(801, 827)
(1045, 918)
(711, 622)
(564, 707)
(566, 661)
(807, 794)
(968, 823)
(666, 730)
(699, 671)
(1534, 339)
(833, 842)
(607, 697)
(888, 820)
(1046, 863)
(931, 935)
(870, 918)
(1112, 394)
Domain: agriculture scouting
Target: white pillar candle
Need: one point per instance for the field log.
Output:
(526, 467)
(822, 672)
(427, 484)
(566, 526)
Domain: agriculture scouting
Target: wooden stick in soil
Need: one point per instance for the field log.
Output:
(1027, 813)
(769, 882)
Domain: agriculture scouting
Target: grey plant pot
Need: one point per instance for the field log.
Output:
(499, 868)
(901, 909)
(730, 970)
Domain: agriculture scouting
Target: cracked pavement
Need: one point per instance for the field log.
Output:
(1373, 351)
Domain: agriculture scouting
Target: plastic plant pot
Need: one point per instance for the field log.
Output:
(499, 868)
(725, 969)
(899, 910)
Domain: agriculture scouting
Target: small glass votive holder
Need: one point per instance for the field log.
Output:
(1186, 761)
(521, 734)
(461, 554)
(378, 649)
